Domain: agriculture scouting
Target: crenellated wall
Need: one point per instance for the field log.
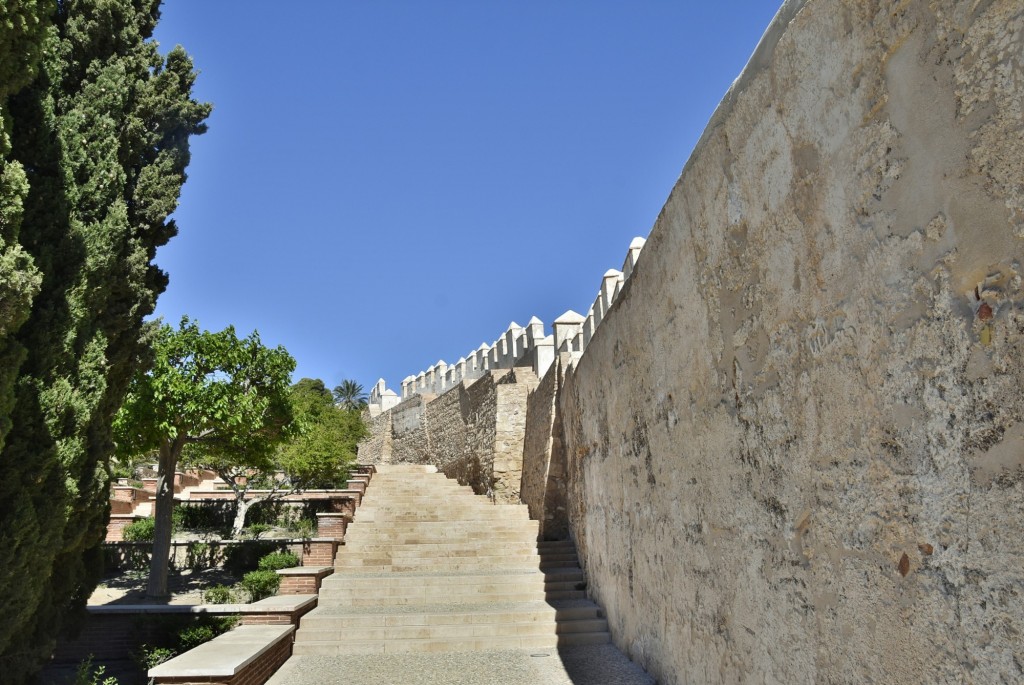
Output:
(470, 419)
(788, 437)
(796, 444)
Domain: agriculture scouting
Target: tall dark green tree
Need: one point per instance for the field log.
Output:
(100, 134)
(22, 30)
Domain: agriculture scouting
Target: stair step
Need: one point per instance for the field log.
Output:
(428, 565)
(441, 645)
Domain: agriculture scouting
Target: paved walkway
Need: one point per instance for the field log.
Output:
(582, 665)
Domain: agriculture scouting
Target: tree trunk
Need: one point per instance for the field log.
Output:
(163, 514)
(241, 509)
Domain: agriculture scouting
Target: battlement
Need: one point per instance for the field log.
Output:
(518, 346)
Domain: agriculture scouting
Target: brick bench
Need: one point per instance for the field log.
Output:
(247, 655)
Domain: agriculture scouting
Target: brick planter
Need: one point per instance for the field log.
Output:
(319, 552)
(333, 524)
(302, 580)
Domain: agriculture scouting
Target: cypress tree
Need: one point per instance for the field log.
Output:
(101, 134)
(22, 29)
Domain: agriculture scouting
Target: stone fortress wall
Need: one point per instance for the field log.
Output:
(470, 419)
(793, 449)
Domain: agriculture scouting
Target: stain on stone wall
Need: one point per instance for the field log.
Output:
(795, 452)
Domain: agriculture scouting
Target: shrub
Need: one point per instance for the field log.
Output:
(255, 530)
(277, 560)
(260, 584)
(244, 556)
(303, 528)
(87, 675)
(219, 594)
(150, 656)
(204, 631)
(140, 530)
(199, 556)
(206, 516)
(195, 636)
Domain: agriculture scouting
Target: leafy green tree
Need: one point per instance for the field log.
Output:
(325, 448)
(93, 146)
(211, 393)
(350, 395)
(318, 454)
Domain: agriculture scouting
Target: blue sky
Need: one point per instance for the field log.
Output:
(386, 184)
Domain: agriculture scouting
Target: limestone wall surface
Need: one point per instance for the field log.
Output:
(543, 475)
(795, 445)
(473, 432)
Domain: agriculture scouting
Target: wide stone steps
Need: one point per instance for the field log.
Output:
(452, 564)
(428, 566)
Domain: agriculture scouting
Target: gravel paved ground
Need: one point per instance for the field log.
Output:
(586, 665)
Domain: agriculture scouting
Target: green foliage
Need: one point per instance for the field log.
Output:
(223, 398)
(178, 634)
(255, 530)
(150, 656)
(219, 594)
(204, 630)
(140, 530)
(23, 25)
(87, 674)
(260, 584)
(244, 556)
(209, 516)
(201, 556)
(325, 447)
(278, 560)
(126, 468)
(94, 141)
(303, 528)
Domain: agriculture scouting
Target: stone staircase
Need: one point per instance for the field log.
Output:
(428, 566)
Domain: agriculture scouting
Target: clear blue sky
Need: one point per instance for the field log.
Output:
(387, 184)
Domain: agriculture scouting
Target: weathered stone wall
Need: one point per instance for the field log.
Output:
(796, 442)
(376, 446)
(473, 432)
(543, 479)
(510, 432)
(408, 438)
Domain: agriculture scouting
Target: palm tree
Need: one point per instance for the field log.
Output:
(350, 395)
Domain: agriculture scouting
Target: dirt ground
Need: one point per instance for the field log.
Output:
(186, 587)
